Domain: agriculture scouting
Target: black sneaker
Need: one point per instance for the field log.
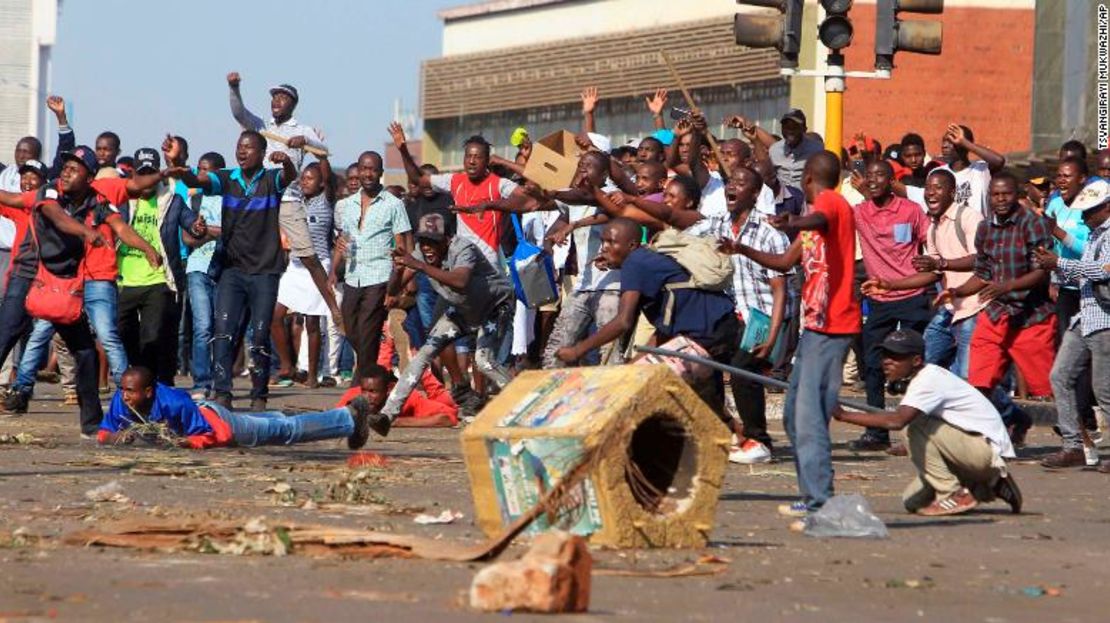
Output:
(258, 405)
(1006, 489)
(224, 400)
(380, 423)
(14, 403)
(361, 414)
(868, 443)
(467, 399)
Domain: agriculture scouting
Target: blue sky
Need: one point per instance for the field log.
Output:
(144, 69)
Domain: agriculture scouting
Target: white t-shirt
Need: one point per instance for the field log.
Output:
(587, 246)
(936, 392)
(973, 186)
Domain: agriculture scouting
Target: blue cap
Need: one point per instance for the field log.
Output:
(85, 156)
(664, 136)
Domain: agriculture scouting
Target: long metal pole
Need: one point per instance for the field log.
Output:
(751, 376)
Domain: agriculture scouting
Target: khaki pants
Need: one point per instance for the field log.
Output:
(946, 459)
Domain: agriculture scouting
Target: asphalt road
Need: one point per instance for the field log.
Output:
(1050, 563)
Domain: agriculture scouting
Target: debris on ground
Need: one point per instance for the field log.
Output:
(355, 488)
(447, 516)
(367, 459)
(22, 439)
(283, 493)
(267, 537)
(110, 492)
(552, 576)
(847, 516)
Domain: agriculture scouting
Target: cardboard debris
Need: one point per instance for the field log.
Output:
(554, 161)
(263, 537)
(657, 456)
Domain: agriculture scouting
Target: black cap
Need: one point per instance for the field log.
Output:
(287, 89)
(33, 165)
(794, 114)
(431, 227)
(147, 160)
(84, 155)
(904, 342)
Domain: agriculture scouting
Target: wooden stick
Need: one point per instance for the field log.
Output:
(694, 109)
(315, 151)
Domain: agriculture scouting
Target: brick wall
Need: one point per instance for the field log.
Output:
(983, 79)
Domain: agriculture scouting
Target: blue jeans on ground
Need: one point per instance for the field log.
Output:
(102, 308)
(814, 391)
(202, 298)
(274, 428)
(236, 294)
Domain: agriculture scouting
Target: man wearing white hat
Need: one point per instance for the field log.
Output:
(1088, 336)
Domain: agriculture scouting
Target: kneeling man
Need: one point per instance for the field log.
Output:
(957, 441)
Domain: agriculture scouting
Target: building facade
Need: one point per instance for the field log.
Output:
(27, 33)
(510, 63)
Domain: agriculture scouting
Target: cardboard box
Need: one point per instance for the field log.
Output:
(661, 452)
(553, 162)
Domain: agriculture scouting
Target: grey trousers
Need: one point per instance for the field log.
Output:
(450, 327)
(1071, 362)
(580, 312)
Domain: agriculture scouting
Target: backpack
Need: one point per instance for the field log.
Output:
(532, 270)
(960, 235)
(709, 268)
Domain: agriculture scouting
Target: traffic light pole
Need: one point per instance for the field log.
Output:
(835, 83)
(834, 102)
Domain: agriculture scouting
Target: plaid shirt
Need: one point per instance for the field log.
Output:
(1092, 317)
(1005, 252)
(751, 282)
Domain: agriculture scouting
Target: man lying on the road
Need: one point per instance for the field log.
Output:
(431, 408)
(141, 401)
(956, 438)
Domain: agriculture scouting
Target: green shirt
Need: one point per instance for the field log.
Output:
(134, 269)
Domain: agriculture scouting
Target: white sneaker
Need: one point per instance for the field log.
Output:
(749, 453)
(1090, 454)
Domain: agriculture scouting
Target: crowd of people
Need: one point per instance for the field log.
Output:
(942, 278)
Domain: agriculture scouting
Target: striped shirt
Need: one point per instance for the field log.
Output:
(751, 282)
(250, 235)
(1093, 266)
(371, 237)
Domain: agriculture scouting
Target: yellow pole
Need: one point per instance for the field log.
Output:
(834, 103)
(834, 121)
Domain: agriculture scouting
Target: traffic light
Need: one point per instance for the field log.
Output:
(893, 34)
(767, 30)
(835, 31)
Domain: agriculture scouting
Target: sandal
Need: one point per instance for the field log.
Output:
(282, 381)
(328, 381)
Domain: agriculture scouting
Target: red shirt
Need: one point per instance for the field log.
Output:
(890, 236)
(828, 258)
(100, 262)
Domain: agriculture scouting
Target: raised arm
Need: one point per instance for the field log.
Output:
(397, 133)
(202, 180)
(756, 135)
(656, 104)
(247, 120)
(589, 104)
(288, 169)
(66, 138)
(995, 161)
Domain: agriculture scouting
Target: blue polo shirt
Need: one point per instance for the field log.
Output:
(250, 239)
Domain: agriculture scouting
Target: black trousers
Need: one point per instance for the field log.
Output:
(750, 396)
(15, 324)
(364, 314)
(882, 318)
(1067, 306)
(148, 323)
